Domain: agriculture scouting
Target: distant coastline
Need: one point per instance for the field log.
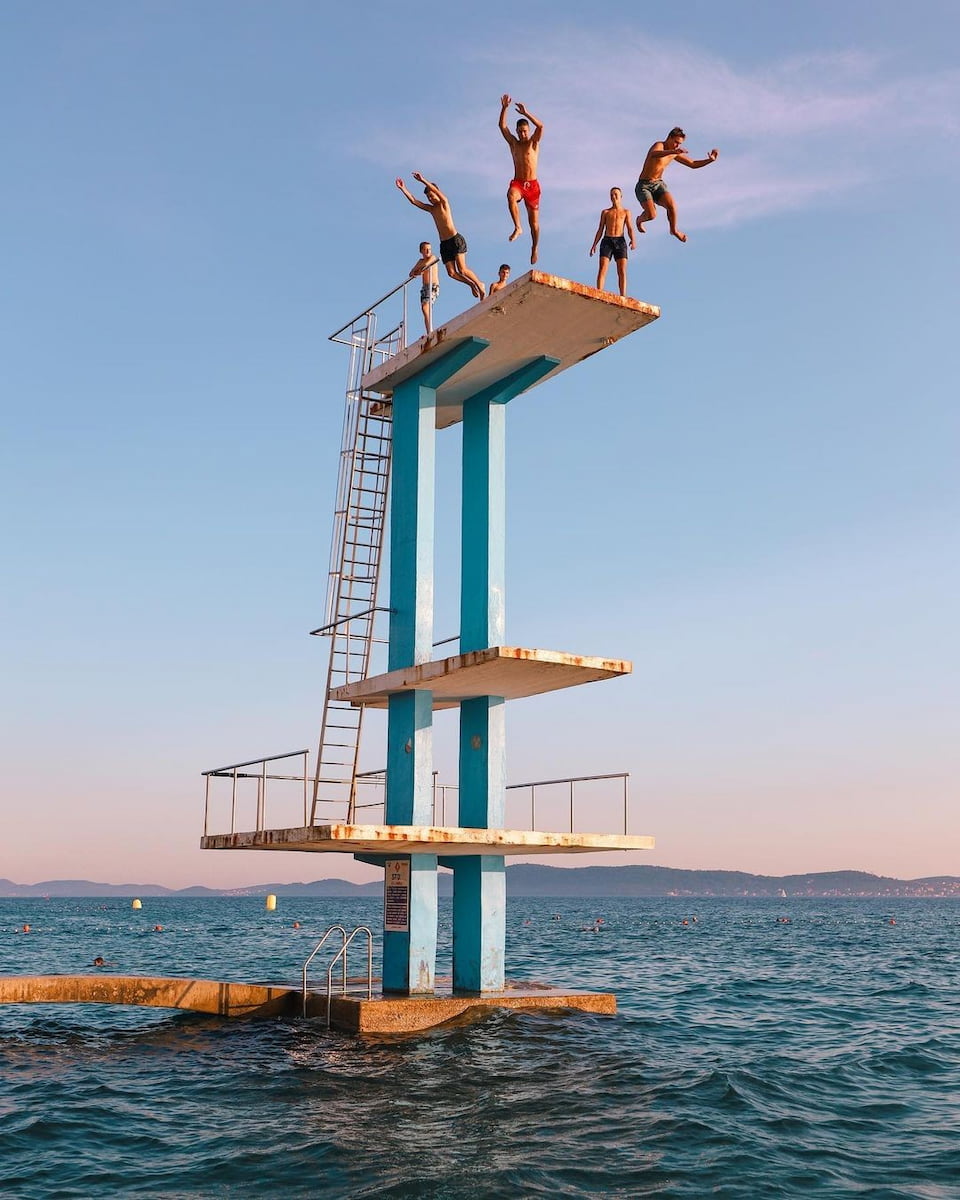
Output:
(533, 879)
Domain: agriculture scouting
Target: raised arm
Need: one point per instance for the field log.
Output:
(698, 162)
(432, 186)
(504, 105)
(418, 203)
(537, 125)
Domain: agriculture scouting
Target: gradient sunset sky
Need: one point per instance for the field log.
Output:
(755, 499)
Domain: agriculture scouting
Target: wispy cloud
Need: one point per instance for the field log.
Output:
(789, 133)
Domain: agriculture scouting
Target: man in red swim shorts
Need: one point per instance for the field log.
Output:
(525, 150)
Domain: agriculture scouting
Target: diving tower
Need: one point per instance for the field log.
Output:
(399, 396)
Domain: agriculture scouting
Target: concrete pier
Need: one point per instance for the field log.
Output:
(349, 1013)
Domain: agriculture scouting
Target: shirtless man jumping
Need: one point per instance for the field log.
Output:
(613, 221)
(453, 245)
(652, 190)
(524, 149)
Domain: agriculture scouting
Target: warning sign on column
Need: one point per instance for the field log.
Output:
(396, 896)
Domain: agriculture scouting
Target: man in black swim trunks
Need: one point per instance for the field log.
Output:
(651, 189)
(453, 245)
(614, 222)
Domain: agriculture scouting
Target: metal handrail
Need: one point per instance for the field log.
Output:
(234, 773)
(624, 775)
(350, 617)
(342, 953)
(255, 762)
(316, 951)
(365, 312)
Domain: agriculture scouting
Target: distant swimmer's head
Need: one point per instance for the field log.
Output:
(98, 961)
(523, 129)
(674, 138)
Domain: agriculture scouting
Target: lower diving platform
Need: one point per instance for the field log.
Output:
(444, 841)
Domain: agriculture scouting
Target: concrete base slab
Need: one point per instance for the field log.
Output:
(350, 1013)
(412, 1014)
(195, 995)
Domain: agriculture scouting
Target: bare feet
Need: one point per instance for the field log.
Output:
(516, 233)
(640, 228)
(481, 292)
(533, 255)
(681, 237)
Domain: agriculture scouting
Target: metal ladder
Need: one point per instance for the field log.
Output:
(355, 554)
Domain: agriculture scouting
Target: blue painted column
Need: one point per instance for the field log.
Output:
(409, 954)
(479, 883)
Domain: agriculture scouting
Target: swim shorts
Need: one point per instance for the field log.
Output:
(654, 189)
(451, 247)
(529, 190)
(429, 292)
(613, 247)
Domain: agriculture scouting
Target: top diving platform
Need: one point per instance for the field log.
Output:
(538, 314)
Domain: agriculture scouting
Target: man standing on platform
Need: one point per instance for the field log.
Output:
(525, 150)
(613, 221)
(426, 268)
(453, 245)
(651, 189)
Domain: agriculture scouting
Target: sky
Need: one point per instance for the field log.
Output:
(754, 499)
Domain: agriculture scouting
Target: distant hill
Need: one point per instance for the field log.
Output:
(533, 879)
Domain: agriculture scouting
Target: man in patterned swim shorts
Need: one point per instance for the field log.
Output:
(426, 268)
(651, 190)
(525, 150)
(453, 245)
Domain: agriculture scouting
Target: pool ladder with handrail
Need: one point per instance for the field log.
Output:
(341, 957)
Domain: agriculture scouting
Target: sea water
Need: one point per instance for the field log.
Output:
(761, 1049)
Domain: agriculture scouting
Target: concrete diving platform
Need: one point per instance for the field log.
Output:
(348, 1013)
(512, 672)
(391, 840)
(538, 314)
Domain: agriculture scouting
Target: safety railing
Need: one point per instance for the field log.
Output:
(570, 786)
(384, 325)
(558, 801)
(242, 780)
